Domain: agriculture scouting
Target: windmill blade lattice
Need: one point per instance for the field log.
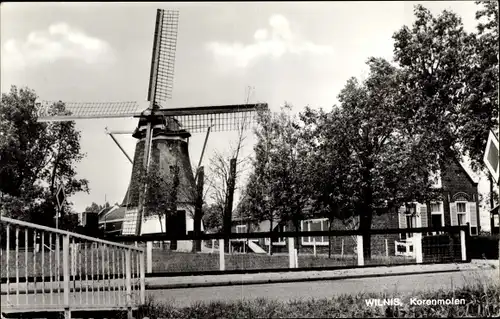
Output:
(86, 110)
(220, 118)
(163, 59)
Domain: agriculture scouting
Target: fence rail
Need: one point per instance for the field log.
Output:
(304, 250)
(55, 270)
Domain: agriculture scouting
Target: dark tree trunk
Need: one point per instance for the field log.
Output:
(365, 226)
(366, 215)
(296, 225)
(228, 207)
(198, 212)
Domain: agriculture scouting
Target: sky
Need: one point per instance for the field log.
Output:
(295, 52)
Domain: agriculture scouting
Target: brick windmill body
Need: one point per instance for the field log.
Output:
(162, 136)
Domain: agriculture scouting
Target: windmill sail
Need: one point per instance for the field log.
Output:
(47, 112)
(163, 59)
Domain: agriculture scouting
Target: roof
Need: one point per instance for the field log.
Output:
(469, 173)
(113, 212)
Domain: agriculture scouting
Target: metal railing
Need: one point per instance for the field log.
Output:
(54, 270)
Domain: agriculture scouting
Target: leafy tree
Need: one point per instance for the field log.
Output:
(451, 82)
(96, 208)
(212, 217)
(257, 201)
(277, 188)
(480, 111)
(363, 156)
(160, 199)
(35, 157)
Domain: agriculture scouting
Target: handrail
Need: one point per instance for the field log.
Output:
(65, 232)
(289, 234)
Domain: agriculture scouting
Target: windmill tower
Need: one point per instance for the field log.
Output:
(162, 133)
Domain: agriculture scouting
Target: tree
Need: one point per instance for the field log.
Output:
(257, 202)
(364, 157)
(96, 208)
(480, 111)
(483, 105)
(35, 158)
(161, 192)
(277, 189)
(225, 171)
(328, 169)
(212, 218)
(450, 83)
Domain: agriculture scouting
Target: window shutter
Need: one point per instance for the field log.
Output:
(453, 214)
(402, 217)
(472, 213)
(423, 216)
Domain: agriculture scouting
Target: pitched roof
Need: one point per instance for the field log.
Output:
(112, 212)
(472, 177)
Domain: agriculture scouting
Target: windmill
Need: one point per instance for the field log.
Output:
(162, 132)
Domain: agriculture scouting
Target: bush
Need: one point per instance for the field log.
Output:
(483, 247)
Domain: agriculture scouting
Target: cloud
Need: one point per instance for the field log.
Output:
(276, 42)
(59, 41)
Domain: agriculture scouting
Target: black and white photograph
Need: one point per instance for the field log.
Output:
(295, 159)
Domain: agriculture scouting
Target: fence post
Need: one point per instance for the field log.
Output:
(291, 252)
(314, 246)
(128, 282)
(361, 257)
(269, 246)
(143, 277)
(296, 255)
(342, 251)
(462, 245)
(417, 247)
(222, 264)
(386, 248)
(66, 262)
(149, 256)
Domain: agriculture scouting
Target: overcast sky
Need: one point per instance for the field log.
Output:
(301, 53)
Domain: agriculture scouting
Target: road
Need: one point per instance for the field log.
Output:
(395, 286)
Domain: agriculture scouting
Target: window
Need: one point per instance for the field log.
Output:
(435, 208)
(461, 208)
(240, 229)
(315, 225)
(461, 214)
(437, 214)
(411, 209)
(473, 231)
(435, 178)
(281, 240)
(411, 222)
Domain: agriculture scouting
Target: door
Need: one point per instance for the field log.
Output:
(176, 226)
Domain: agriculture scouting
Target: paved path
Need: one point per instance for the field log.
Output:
(259, 278)
(394, 286)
